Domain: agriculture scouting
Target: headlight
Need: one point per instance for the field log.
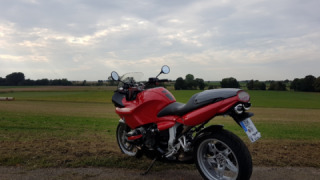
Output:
(243, 96)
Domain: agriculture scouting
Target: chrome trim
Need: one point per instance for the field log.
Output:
(172, 148)
(246, 108)
(122, 121)
(184, 144)
(238, 108)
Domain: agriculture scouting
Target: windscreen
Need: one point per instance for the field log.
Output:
(131, 78)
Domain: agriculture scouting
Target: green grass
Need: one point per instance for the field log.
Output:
(269, 99)
(28, 126)
(276, 130)
(285, 99)
(75, 107)
(76, 127)
(67, 96)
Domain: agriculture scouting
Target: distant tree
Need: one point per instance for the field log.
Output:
(277, 86)
(84, 83)
(189, 78)
(14, 79)
(60, 82)
(190, 82)
(111, 81)
(316, 85)
(65, 82)
(303, 84)
(229, 83)
(27, 82)
(2, 81)
(55, 82)
(250, 85)
(296, 84)
(179, 84)
(308, 83)
(286, 81)
(200, 83)
(42, 82)
(256, 85)
(100, 83)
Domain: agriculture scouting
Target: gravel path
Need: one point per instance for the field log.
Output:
(265, 173)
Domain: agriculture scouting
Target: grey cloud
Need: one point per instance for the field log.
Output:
(211, 38)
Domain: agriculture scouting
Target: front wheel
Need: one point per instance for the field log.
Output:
(125, 146)
(223, 155)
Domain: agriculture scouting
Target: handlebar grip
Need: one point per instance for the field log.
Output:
(163, 80)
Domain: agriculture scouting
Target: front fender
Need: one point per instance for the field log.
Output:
(207, 131)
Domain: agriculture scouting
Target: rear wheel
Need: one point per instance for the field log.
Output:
(125, 146)
(223, 155)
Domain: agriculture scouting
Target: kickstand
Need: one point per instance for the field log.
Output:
(149, 168)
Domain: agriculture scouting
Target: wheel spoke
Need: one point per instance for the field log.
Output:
(231, 166)
(220, 171)
(211, 160)
(212, 148)
(226, 152)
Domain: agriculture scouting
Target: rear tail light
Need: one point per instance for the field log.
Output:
(243, 96)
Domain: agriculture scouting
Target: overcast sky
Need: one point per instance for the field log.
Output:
(211, 39)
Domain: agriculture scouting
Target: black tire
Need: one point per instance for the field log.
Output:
(222, 155)
(125, 146)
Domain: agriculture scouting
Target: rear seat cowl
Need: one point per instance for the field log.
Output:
(197, 101)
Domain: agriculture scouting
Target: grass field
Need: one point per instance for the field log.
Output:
(75, 127)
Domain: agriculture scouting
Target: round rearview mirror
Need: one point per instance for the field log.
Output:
(114, 76)
(165, 69)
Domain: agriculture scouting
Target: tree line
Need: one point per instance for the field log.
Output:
(18, 79)
(308, 83)
(189, 83)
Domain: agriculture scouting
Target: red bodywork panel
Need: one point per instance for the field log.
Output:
(201, 115)
(144, 109)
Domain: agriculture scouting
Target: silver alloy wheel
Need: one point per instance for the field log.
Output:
(217, 160)
(125, 146)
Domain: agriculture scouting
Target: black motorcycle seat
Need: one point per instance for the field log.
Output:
(197, 101)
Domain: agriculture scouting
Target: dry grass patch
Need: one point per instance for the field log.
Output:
(60, 108)
(286, 153)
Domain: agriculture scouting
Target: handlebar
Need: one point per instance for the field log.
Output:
(155, 80)
(163, 80)
(141, 86)
(132, 89)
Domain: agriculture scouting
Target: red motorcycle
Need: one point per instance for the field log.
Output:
(152, 123)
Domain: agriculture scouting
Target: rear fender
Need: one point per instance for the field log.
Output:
(207, 131)
(240, 117)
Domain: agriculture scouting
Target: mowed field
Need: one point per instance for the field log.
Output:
(75, 127)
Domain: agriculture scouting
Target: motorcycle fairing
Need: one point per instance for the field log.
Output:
(197, 101)
(144, 109)
(117, 99)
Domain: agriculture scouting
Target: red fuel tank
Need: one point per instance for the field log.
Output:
(144, 109)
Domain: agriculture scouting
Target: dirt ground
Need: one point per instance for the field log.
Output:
(265, 173)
